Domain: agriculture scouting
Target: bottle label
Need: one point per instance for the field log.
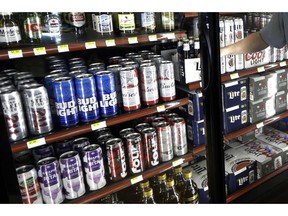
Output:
(148, 20)
(77, 19)
(126, 22)
(102, 23)
(53, 25)
(10, 34)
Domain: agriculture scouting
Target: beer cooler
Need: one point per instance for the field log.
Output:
(97, 105)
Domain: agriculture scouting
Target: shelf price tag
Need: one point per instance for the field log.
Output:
(261, 69)
(260, 125)
(15, 54)
(170, 35)
(63, 48)
(136, 179)
(283, 64)
(178, 162)
(98, 125)
(132, 40)
(161, 108)
(110, 43)
(39, 51)
(152, 37)
(234, 76)
(36, 143)
(90, 45)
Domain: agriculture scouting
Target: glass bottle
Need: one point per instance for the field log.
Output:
(77, 20)
(125, 22)
(160, 190)
(171, 194)
(148, 196)
(186, 49)
(197, 47)
(33, 27)
(148, 22)
(168, 23)
(179, 181)
(102, 23)
(52, 26)
(9, 31)
(190, 193)
(140, 191)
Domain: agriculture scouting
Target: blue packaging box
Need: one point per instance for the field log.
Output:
(195, 132)
(195, 107)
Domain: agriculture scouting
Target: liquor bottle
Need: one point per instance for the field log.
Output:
(186, 49)
(192, 48)
(125, 23)
(148, 196)
(102, 23)
(171, 194)
(197, 47)
(77, 21)
(140, 191)
(190, 193)
(10, 35)
(168, 23)
(148, 23)
(33, 27)
(160, 190)
(52, 26)
(179, 181)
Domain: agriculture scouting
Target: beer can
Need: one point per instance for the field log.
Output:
(43, 151)
(135, 152)
(37, 109)
(157, 59)
(59, 71)
(123, 60)
(72, 175)
(164, 137)
(106, 87)
(239, 35)
(130, 54)
(116, 159)
(124, 132)
(130, 89)
(150, 147)
(87, 97)
(75, 73)
(150, 54)
(22, 77)
(95, 67)
(116, 70)
(63, 146)
(77, 61)
(79, 144)
(29, 185)
(102, 131)
(5, 79)
(170, 116)
(50, 180)
(138, 58)
(149, 118)
(13, 114)
(166, 81)
(157, 120)
(139, 127)
(94, 167)
(65, 101)
(149, 84)
(23, 158)
(131, 63)
(10, 73)
(229, 37)
(59, 66)
(222, 44)
(144, 53)
(114, 60)
(79, 68)
(179, 137)
(25, 83)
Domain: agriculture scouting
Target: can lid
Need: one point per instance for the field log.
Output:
(62, 79)
(114, 141)
(46, 161)
(133, 136)
(83, 76)
(148, 130)
(81, 140)
(68, 154)
(91, 147)
(24, 169)
(103, 73)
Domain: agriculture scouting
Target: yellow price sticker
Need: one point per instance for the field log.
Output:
(15, 54)
(98, 125)
(260, 125)
(283, 64)
(152, 37)
(90, 45)
(161, 108)
(234, 76)
(136, 179)
(178, 162)
(132, 40)
(39, 51)
(110, 43)
(36, 143)
(63, 48)
(261, 69)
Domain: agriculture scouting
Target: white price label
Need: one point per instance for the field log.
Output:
(98, 125)
(234, 76)
(110, 43)
(161, 108)
(90, 45)
(283, 64)
(39, 51)
(261, 69)
(260, 125)
(152, 37)
(136, 179)
(36, 143)
(178, 162)
(15, 54)
(132, 40)
(63, 48)
(170, 35)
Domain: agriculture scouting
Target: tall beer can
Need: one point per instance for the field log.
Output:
(130, 88)
(94, 167)
(229, 39)
(222, 44)
(166, 81)
(72, 175)
(37, 109)
(115, 68)
(50, 180)
(65, 101)
(179, 136)
(150, 147)
(239, 35)
(29, 185)
(87, 97)
(149, 84)
(164, 137)
(13, 114)
(107, 95)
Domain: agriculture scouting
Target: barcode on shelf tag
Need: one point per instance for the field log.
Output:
(152, 37)
(178, 162)
(136, 179)
(261, 69)
(90, 45)
(170, 35)
(132, 40)
(63, 48)
(15, 54)
(39, 51)
(161, 108)
(260, 125)
(98, 125)
(110, 43)
(36, 142)
(234, 76)
(283, 64)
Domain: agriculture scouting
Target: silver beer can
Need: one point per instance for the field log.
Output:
(164, 137)
(179, 137)
(166, 81)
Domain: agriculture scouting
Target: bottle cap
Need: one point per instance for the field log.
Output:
(148, 192)
(170, 182)
(161, 177)
(187, 174)
(178, 169)
(144, 184)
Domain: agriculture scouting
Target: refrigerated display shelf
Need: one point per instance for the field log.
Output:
(85, 44)
(129, 181)
(86, 128)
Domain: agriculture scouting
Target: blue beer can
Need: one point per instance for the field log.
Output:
(107, 95)
(116, 70)
(65, 101)
(87, 97)
(96, 67)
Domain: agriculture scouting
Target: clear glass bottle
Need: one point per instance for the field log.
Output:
(102, 23)
(78, 21)
(168, 23)
(125, 23)
(33, 27)
(190, 193)
(179, 181)
(148, 23)
(52, 26)
(148, 196)
(171, 194)
(161, 189)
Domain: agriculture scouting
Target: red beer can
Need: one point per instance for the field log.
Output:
(150, 147)
(166, 81)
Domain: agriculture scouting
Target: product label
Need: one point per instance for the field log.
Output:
(10, 34)
(126, 22)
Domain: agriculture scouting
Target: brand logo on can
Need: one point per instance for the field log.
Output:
(66, 108)
(87, 104)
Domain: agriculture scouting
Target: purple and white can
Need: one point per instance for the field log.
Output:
(50, 180)
(72, 175)
(94, 167)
